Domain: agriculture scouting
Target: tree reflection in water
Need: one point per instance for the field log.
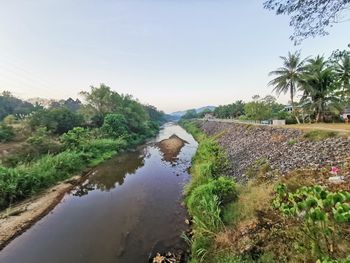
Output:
(113, 172)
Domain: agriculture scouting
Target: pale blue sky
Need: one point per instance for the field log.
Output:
(174, 54)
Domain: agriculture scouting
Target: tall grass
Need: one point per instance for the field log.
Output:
(26, 179)
(208, 194)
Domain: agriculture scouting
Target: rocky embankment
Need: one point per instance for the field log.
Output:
(285, 149)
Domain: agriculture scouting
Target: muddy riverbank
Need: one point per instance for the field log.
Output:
(17, 219)
(127, 210)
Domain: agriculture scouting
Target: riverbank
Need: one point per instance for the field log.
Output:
(272, 167)
(127, 210)
(30, 190)
(17, 219)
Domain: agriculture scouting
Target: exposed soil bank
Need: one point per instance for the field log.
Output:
(171, 147)
(284, 149)
(17, 219)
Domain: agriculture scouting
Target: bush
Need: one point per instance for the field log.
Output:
(208, 193)
(74, 138)
(56, 120)
(6, 133)
(9, 119)
(27, 179)
(24, 180)
(36, 145)
(224, 188)
(321, 210)
(115, 125)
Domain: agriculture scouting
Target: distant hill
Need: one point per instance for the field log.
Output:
(174, 116)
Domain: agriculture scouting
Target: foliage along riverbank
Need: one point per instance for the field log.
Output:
(291, 219)
(62, 142)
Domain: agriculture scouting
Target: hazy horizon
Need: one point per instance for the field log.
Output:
(173, 55)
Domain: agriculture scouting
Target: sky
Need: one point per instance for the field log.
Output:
(174, 54)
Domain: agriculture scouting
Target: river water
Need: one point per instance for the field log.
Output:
(128, 209)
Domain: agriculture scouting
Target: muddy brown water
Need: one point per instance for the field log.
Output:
(128, 209)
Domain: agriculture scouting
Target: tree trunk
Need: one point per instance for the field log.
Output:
(292, 101)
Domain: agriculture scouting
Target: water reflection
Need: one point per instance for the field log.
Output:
(130, 209)
(113, 172)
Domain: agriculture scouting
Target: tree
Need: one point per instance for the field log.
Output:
(134, 113)
(56, 120)
(190, 114)
(342, 69)
(309, 17)
(258, 110)
(318, 85)
(14, 106)
(154, 114)
(288, 77)
(115, 125)
(233, 110)
(100, 101)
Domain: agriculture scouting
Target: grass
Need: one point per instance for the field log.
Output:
(292, 142)
(247, 228)
(319, 135)
(27, 179)
(252, 198)
(336, 127)
(207, 195)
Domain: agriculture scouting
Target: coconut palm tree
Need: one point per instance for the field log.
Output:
(318, 86)
(288, 77)
(342, 69)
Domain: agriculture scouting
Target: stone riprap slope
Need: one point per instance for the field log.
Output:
(285, 149)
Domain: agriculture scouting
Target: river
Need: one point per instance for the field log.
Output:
(128, 209)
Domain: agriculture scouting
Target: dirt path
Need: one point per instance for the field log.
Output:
(17, 219)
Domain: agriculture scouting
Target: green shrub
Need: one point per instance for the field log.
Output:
(27, 179)
(115, 125)
(321, 210)
(201, 246)
(56, 120)
(76, 137)
(6, 133)
(208, 194)
(224, 188)
(24, 180)
(98, 150)
(38, 144)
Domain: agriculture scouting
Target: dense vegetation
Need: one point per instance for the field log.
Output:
(207, 195)
(287, 220)
(60, 141)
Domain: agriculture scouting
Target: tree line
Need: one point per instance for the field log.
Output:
(318, 87)
(56, 142)
(324, 84)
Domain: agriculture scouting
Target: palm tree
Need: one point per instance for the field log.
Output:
(318, 85)
(288, 77)
(342, 69)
